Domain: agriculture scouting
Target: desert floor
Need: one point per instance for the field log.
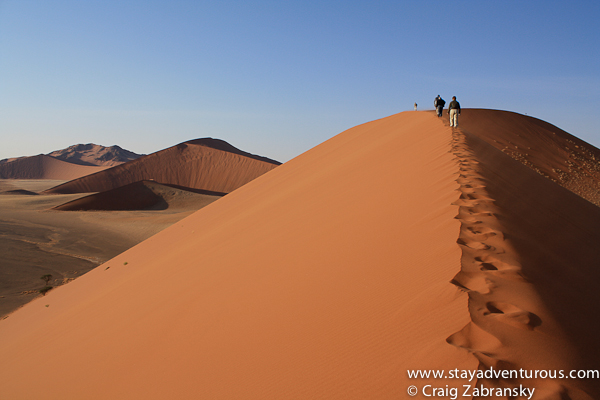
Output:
(36, 240)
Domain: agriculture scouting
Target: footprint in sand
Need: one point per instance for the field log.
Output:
(482, 344)
(491, 263)
(479, 212)
(512, 315)
(488, 267)
(471, 186)
(464, 203)
(469, 176)
(470, 282)
(480, 233)
(468, 219)
(474, 244)
(482, 230)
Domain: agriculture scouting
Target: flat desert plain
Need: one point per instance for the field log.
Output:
(36, 240)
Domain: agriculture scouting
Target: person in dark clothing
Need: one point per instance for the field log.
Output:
(454, 111)
(439, 105)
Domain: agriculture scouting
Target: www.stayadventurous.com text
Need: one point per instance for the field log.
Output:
(474, 390)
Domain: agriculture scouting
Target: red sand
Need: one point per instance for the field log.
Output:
(208, 164)
(45, 167)
(545, 148)
(329, 278)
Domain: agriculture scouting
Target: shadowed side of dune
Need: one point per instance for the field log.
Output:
(555, 234)
(207, 164)
(19, 192)
(135, 196)
(529, 264)
(541, 146)
(222, 145)
(143, 195)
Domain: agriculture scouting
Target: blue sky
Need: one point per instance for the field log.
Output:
(276, 78)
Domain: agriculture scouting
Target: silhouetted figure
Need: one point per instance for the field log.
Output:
(415, 106)
(439, 104)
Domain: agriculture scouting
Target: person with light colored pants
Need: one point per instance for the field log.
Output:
(454, 111)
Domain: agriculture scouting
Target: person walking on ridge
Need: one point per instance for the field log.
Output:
(415, 106)
(454, 111)
(439, 105)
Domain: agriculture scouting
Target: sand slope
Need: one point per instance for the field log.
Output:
(543, 147)
(207, 164)
(529, 265)
(326, 278)
(36, 240)
(399, 244)
(45, 167)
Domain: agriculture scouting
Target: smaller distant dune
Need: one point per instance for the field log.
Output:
(19, 192)
(45, 167)
(142, 195)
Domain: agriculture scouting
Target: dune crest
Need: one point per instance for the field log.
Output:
(206, 164)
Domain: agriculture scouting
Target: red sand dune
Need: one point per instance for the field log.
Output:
(207, 164)
(44, 167)
(143, 195)
(19, 191)
(329, 278)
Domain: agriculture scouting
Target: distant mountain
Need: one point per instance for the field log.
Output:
(93, 154)
(67, 164)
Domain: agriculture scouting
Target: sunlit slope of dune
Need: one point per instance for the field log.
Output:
(326, 278)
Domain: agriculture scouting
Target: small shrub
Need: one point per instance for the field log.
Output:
(47, 278)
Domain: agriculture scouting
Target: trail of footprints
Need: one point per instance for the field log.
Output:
(484, 265)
